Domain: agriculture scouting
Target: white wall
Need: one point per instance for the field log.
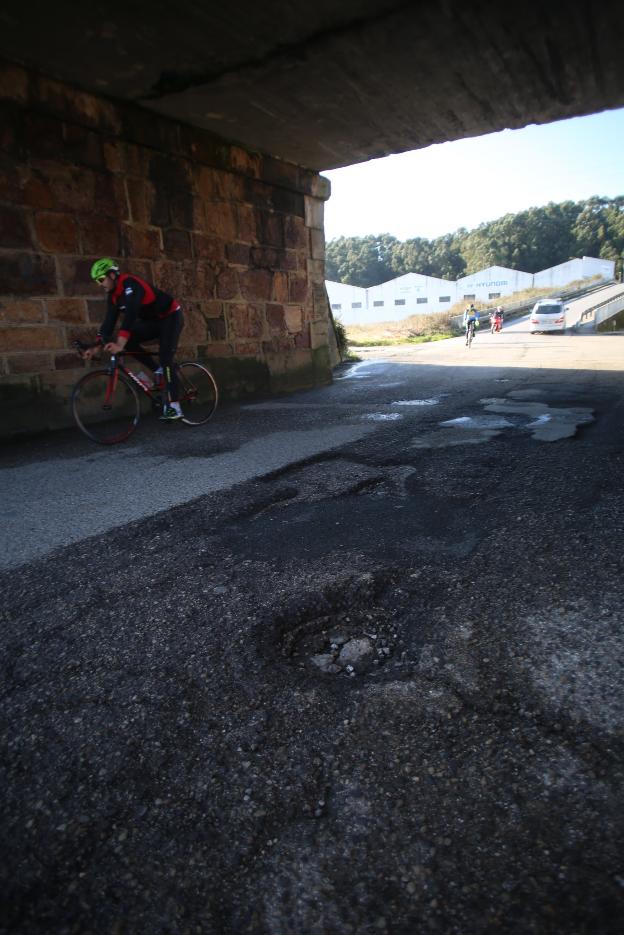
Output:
(486, 283)
(483, 285)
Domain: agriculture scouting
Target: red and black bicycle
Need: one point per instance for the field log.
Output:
(106, 403)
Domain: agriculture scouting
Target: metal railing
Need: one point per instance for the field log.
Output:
(601, 312)
(516, 309)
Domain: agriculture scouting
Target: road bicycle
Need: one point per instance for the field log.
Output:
(470, 333)
(106, 403)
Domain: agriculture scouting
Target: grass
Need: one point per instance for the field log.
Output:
(412, 339)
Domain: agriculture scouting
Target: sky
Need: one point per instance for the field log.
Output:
(435, 191)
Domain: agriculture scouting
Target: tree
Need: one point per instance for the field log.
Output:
(530, 241)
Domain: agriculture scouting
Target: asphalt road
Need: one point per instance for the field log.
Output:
(344, 661)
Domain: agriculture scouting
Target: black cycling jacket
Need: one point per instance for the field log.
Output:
(134, 298)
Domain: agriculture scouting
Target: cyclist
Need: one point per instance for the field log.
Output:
(147, 313)
(471, 319)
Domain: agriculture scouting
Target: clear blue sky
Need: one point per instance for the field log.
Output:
(435, 191)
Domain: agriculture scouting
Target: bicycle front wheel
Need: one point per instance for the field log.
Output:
(105, 406)
(198, 393)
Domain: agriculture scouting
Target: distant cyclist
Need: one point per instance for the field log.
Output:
(471, 319)
(147, 313)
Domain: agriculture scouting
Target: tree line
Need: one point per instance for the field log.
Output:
(529, 241)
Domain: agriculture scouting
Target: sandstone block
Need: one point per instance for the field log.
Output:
(96, 310)
(317, 244)
(141, 242)
(314, 213)
(270, 228)
(29, 363)
(42, 136)
(168, 276)
(298, 288)
(13, 83)
(227, 284)
(319, 334)
(139, 194)
(238, 254)
(67, 310)
(293, 315)
(185, 209)
(246, 224)
(57, 233)
(215, 350)
(36, 191)
(68, 362)
(76, 277)
(209, 248)
(247, 349)
(303, 340)
(14, 228)
(216, 329)
(177, 244)
(9, 181)
(73, 187)
(221, 220)
(255, 284)
(244, 321)
(20, 310)
(265, 257)
(83, 146)
(275, 317)
(280, 287)
(296, 234)
(27, 274)
(100, 236)
(29, 338)
(113, 156)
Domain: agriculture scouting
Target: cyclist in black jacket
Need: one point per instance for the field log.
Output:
(147, 313)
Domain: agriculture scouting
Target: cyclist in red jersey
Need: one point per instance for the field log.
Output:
(147, 313)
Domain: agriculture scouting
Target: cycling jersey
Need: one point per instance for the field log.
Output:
(134, 299)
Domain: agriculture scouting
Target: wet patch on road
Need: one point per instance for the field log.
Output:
(548, 423)
(521, 410)
(434, 401)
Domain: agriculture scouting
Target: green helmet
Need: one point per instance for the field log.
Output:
(103, 266)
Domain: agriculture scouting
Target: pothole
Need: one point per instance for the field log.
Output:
(343, 645)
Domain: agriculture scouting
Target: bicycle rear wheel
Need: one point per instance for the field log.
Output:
(105, 406)
(198, 393)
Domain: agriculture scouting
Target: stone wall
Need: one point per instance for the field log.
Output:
(237, 237)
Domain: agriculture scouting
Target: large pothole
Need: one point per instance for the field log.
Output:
(346, 645)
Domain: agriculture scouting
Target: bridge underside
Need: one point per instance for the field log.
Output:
(329, 84)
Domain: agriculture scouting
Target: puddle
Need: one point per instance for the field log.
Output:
(416, 402)
(382, 416)
(548, 424)
(545, 423)
(479, 422)
(357, 371)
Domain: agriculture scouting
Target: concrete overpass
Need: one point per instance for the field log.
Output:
(187, 139)
(328, 84)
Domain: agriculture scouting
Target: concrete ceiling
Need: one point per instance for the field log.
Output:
(333, 82)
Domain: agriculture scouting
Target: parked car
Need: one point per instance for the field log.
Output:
(548, 315)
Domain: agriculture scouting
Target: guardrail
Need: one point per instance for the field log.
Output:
(600, 312)
(520, 308)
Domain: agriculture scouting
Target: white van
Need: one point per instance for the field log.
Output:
(548, 315)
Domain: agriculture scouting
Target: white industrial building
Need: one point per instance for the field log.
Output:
(413, 293)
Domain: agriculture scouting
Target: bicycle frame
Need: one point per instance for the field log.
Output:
(115, 366)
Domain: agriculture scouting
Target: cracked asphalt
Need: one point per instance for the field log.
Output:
(174, 760)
